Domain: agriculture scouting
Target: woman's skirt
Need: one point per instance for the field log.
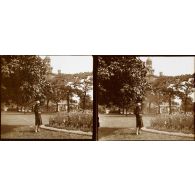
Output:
(139, 121)
(38, 119)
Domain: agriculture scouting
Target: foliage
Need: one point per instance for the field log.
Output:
(65, 86)
(82, 87)
(24, 78)
(175, 122)
(101, 109)
(166, 88)
(73, 120)
(73, 77)
(121, 80)
(187, 105)
(86, 103)
(59, 90)
(186, 88)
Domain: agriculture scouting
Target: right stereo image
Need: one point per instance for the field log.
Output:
(145, 97)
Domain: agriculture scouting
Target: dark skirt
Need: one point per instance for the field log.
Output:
(139, 121)
(38, 119)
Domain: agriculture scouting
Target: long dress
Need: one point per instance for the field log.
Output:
(38, 119)
(138, 114)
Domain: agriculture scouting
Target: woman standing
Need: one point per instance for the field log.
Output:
(38, 119)
(139, 121)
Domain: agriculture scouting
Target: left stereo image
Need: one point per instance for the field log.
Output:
(46, 97)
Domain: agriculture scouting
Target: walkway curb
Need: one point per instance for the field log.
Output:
(66, 131)
(168, 133)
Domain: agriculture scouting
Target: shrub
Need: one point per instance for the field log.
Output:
(175, 122)
(101, 109)
(73, 121)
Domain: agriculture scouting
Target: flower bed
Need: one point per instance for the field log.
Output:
(175, 123)
(74, 121)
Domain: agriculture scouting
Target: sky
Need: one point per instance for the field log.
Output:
(172, 66)
(72, 64)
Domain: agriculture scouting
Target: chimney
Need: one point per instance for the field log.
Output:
(160, 74)
(59, 72)
(50, 70)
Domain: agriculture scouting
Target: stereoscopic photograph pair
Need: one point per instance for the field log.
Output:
(102, 97)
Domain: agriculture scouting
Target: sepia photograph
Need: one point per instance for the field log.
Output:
(146, 97)
(46, 97)
(97, 97)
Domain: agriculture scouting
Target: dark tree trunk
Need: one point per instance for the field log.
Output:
(84, 102)
(17, 107)
(68, 103)
(170, 109)
(158, 103)
(48, 105)
(56, 107)
(158, 108)
(119, 110)
(149, 107)
(185, 105)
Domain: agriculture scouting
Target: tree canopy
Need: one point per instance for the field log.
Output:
(167, 88)
(121, 80)
(23, 78)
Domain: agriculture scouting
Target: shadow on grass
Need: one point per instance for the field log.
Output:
(130, 134)
(27, 132)
(7, 129)
(102, 132)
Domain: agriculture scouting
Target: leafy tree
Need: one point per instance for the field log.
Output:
(186, 88)
(68, 91)
(169, 94)
(166, 88)
(82, 88)
(66, 85)
(88, 103)
(187, 105)
(121, 80)
(156, 94)
(60, 90)
(23, 79)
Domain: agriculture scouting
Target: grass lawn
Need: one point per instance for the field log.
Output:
(16, 125)
(119, 127)
(121, 121)
(130, 134)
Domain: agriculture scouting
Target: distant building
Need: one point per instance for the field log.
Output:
(160, 74)
(50, 75)
(150, 73)
(149, 66)
(59, 72)
(151, 107)
(63, 105)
